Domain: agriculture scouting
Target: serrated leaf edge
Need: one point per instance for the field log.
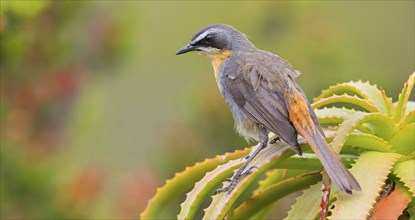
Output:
(340, 197)
(150, 213)
(345, 98)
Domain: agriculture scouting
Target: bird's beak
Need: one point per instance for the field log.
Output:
(186, 49)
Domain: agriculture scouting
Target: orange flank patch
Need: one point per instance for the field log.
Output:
(299, 113)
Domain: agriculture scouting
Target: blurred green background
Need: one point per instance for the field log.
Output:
(97, 111)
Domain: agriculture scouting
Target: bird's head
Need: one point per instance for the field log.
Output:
(215, 39)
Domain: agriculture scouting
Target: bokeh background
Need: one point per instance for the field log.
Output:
(97, 111)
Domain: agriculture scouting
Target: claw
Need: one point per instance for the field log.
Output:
(274, 140)
(224, 189)
(246, 173)
(251, 168)
(228, 189)
(245, 157)
(234, 180)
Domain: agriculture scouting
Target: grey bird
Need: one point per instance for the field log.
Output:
(260, 89)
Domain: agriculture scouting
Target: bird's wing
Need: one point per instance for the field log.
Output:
(252, 88)
(280, 76)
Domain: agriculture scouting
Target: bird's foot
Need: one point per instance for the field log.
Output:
(234, 181)
(239, 174)
(228, 189)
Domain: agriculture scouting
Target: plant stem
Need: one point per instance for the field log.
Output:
(325, 198)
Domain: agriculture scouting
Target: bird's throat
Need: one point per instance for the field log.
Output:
(217, 58)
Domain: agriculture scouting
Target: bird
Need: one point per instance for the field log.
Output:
(260, 89)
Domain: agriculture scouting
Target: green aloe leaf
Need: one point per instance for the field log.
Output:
(272, 177)
(375, 96)
(409, 118)
(266, 159)
(384, 127)
(368, 142)
(311, 162)
(340, 89)
(388, 103)
(358, 205)
(307, 206)
(403, 141)
(353, 100)
(362, 90)
(205, 187)
(333, 115)
(404, 97)
(184, 181)
(271, 194)
(406, 172)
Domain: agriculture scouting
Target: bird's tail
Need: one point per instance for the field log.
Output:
(305, 121)
(338, 173)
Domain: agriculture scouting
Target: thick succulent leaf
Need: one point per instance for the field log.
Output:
(333, 115)
(388, 103)
(391, 206)
(271, 194)
(384, 127)
(358, 205)
(375, 96)
(368, 142)
(409, 118)
(403, 141)
(362, 90)
(307, 206)
(404, 97)
(366, 128)
(265, 160)
(311, 162)
(265, 212)
(272, 177)
(406, 172)
(205, 187)
(184, 181)
(353, 100)
(340, 89)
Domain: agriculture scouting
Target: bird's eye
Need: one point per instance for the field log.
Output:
(209, 38)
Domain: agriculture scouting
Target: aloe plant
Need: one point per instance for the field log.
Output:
(375, 139)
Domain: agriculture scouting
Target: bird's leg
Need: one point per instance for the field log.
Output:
(274, 140)
(239, 174)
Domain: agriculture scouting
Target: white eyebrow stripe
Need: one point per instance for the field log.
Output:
(204, 34)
